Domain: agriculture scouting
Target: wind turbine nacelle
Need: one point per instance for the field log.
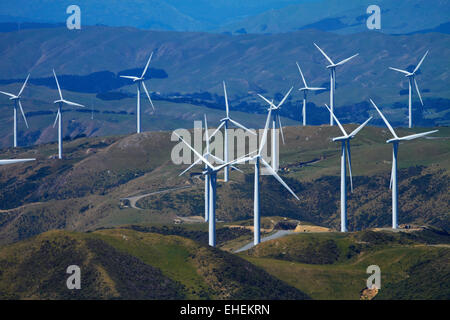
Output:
(14, 98)
(224, 119)
(303, 89)
(58, 101)
(331, 66)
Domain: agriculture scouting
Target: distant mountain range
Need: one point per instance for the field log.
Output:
(189, 67)
(251, 16)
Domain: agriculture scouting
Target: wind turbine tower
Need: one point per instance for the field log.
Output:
(345, 151)
(58, 118)
(395, 142)
(140, 82)
(412, 78)
(332, 67)
(258, 159)
(225, 123)
(276, 123)
(16, 99)
(305, 90)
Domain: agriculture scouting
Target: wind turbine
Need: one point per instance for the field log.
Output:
(211, 171)
(412, 78)
(11, 161)
(276, 122)
(224, 123)
(332, 66)
(256, 203)
(58, 118)
(305, 90)
(140, 81)
(395, 142)
(206, 155)
(16, 99)
(345, 151)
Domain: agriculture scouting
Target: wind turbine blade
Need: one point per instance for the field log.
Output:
(264, 137)
(354, 132)
(399, 70)
(148, 95)
(23, 114)
(146, 66)
(218, 160)
(301, 73)
(349, 159)
(23, 86)
(11, 161)
(206, 134)
(195, 152)
(385, 120)
(237, 124)
(237, 169)
(420, 63)
(324, 54)
(129, 77)
(8, 94)
(239, 160)
(218, 128)
(269, 102)
(226, 99)
(418, 91)
(73, 104)
(276, 176)
(57, 84)
(190, 167)
(56, 119)
(281, 128)
(337, 121)
(345, 60)
(417, 135)
(392, 176)
(285, 97)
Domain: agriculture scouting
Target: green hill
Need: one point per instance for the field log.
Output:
(125, 264)
(333, 265)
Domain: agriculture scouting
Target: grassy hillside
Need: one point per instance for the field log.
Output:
(333, 265)
(125, 264)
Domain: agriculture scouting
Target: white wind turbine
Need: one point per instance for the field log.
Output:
(412, 78)
(257, 159)
(16, 99)
(345, 151)
(140, 81)
(206, 155)
(395, 142)
(276, 122)
(332, 68)
(210, 171)
(305, 90)
(58, 118)
(224, 123)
